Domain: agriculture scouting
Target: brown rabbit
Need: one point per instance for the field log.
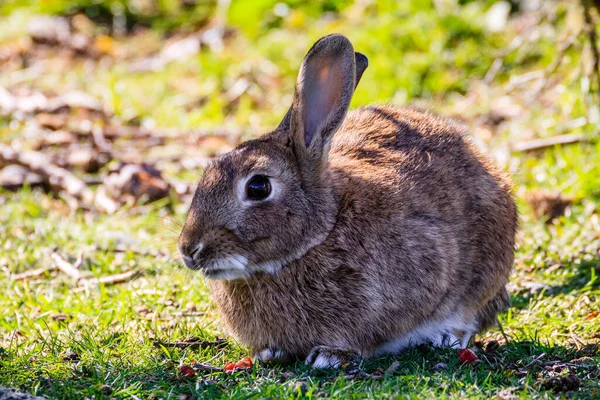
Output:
(342, 234)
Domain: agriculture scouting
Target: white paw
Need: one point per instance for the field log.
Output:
(329, 357)
(271, 355)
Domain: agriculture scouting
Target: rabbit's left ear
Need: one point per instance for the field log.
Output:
(324, 89)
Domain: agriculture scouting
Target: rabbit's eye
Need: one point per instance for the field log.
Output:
(258, 188)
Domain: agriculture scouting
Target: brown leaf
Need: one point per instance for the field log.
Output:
(186, 371)
(60, 317)
(49, 30)
(85, 158)
(562, 383)
(13, 177)
(51, 121)
(592, 315)
(136, 181)
(548, 205)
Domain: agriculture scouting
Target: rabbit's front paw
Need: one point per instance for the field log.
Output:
(272, 355)
(329, 357)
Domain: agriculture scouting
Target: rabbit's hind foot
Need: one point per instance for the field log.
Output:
(454, 331)
(272, 355)
(330, 357)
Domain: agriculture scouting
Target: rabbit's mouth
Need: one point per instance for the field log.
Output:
(226, 274)
(237, 267)
(215, 266)
(218, 262)
(230, 267)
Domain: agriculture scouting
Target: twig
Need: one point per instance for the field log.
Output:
(31, 273)
(538, 144)
(517, 42)
(111, 279)
(493, 71)
(564, 47)
(79, 260)
(66, 266)
(566, 364)
(516, 81)
(189, 314)
(535, 359)
(119, 249)
(206, 368)
(58, 178)
(193, 344)
(499, 60)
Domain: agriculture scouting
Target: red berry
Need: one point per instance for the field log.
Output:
(186, 371)
(228, 366)
(245, 362)
(467, 356)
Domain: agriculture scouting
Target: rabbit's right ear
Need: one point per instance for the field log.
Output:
(362, 62)
(324, 89)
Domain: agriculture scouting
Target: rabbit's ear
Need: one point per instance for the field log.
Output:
(362, 62)
(324, 89)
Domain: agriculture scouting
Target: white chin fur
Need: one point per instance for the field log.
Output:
(236, 266)
(232, 267)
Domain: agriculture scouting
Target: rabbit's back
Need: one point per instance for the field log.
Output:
(419, 172)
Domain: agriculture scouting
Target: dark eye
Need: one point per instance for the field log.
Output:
(258, 188)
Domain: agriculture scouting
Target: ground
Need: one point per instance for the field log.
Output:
(510, 74)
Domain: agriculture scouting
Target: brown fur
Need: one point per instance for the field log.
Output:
(402, 221)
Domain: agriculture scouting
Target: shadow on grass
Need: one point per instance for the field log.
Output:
(586, 278)
(523, 368)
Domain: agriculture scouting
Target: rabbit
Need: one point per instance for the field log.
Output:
(351, 234)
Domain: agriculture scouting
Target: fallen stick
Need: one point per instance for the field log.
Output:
(153, 317)
(517, 42)
(189, 314)
(120, 249)
(193, 344)
(110, 280)
(538, 144)
(32, 273)
(201, 367)
(551, 69)
(567, 364)
(58, 178)
(65, 266)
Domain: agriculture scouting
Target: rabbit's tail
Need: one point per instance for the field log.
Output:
(488, 315)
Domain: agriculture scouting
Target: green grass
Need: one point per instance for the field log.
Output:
(420, 55)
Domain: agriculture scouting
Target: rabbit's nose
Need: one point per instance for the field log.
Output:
(197, 251)
(191, 255)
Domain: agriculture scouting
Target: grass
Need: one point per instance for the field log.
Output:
(65, 344)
